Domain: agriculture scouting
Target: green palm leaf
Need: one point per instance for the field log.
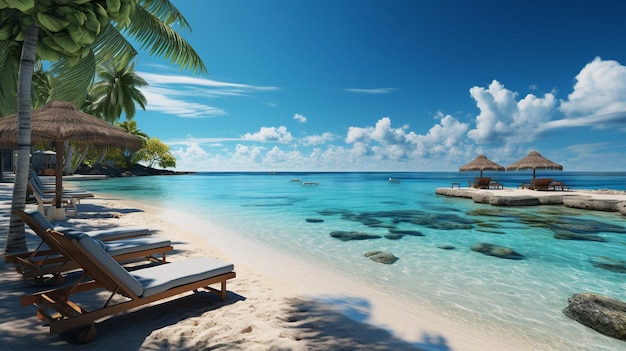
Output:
(73, 81)
(166, 12)
(110, 45)
(162, 40)
(9, 65)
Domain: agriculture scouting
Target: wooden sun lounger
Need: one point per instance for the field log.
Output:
(48, 188)
(481, 183)
(541, 184)
(558, 186)
(70, 203)
(136, 288)
(69, 199)
(46, 260)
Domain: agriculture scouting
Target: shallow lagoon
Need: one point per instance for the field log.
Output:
(525, 295)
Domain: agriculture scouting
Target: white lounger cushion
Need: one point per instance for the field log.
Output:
(95, 249)
(124, 246)
(103, 234)
(160, 278)
(114, 233)
(156, 279)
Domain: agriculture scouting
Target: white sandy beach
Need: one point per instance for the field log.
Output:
(274, 303)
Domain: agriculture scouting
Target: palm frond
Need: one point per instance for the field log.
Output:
(21, 5)
(110, 45)
(72, 81)
(166, 12)
(9, 66)
(43, 81)
(162, 40)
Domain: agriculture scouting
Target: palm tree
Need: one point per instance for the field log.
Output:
(117, 91)
(149, 22)
(131, 128)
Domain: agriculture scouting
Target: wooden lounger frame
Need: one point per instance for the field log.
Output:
(63, 315)
(41, 262)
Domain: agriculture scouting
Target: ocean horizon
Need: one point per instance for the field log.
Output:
(312, 215)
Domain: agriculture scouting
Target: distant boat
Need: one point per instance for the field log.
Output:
(394, 180)
(295, 180)
(310, 183)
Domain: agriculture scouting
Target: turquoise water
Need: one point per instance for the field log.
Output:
(525, 295)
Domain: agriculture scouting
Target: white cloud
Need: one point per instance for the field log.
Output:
(502, 119)
(497, 106)
(266, 134)
(598, 97)
(385, 142)
(300, 118)
(506, 125)
(370, 91)
(193, 152)
(276, 157)
(382, 133)
(165, 79)
(171, 94)
(319, 139)
(192, 157)
(444, 138)
(163, 100)
(248, 153)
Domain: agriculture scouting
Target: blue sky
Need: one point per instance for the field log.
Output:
(393, 85)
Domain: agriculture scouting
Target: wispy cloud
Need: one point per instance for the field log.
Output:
(154, 78)
(173, 94)
(300, 118)
(170, 101)
(369, 91)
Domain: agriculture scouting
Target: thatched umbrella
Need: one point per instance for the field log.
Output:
(534, 161)
(61, 121)
(480, 163)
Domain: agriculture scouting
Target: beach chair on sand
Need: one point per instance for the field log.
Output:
(69, 199)
(47, 262)
(45, 200)
(481, 182)
(48, 188)
(557, 186)
(108, 234)
(541, 184)
(134, 289)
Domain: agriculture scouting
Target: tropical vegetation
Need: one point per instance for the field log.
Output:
(75, 36)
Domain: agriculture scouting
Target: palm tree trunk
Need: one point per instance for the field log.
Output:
(67, 167)
(102, 155)
(16, 239)
(80, 159)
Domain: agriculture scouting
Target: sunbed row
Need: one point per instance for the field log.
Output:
(484, 183)
(544, 184)
(101, 257)
(535, 184)
(45, 195)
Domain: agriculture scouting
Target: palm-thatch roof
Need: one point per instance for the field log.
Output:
(61, 121)
(534, 161)
(481, 163)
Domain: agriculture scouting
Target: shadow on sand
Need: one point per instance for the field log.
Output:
(316, 325)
